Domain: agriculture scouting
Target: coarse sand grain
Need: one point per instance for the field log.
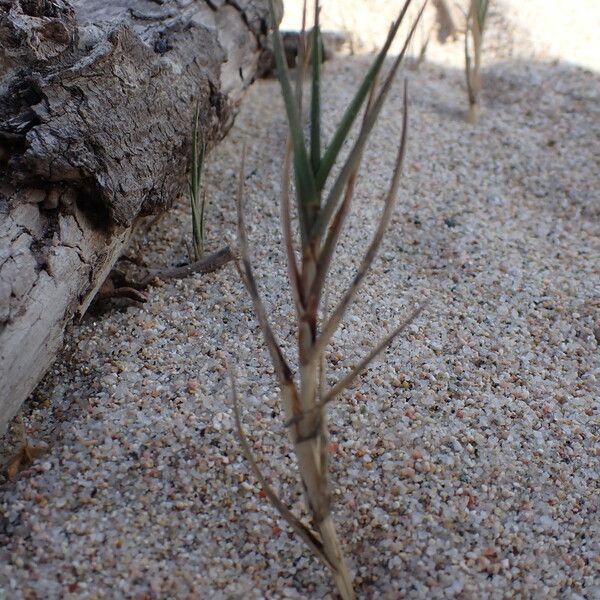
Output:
(465, 463)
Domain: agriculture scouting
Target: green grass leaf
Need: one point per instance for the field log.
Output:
(315, 107)
(356, 152)
(307, 191)
(341, 133)
(481, 9)
(197, 199)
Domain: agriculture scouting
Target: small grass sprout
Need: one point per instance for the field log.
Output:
(323, 198)
(196, 190)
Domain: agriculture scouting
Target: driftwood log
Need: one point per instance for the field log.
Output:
(96, 106)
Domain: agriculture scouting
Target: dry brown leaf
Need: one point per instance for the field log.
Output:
(23, 459)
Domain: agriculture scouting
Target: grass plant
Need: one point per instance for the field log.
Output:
(475, 27)
(323, 197)
(196, 190)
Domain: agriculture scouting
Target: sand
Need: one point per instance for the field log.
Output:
(465, 463)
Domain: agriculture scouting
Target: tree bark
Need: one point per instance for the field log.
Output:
(96, 106)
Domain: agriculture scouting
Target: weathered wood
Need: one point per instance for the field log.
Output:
(96, 105)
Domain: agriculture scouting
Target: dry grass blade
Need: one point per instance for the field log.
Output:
(326, 254)
(282, 369)
(286, 226)
(390, 201)
(343, 384)
(300, 528)
(335, 230)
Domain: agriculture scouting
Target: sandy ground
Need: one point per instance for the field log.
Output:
(465, 463)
